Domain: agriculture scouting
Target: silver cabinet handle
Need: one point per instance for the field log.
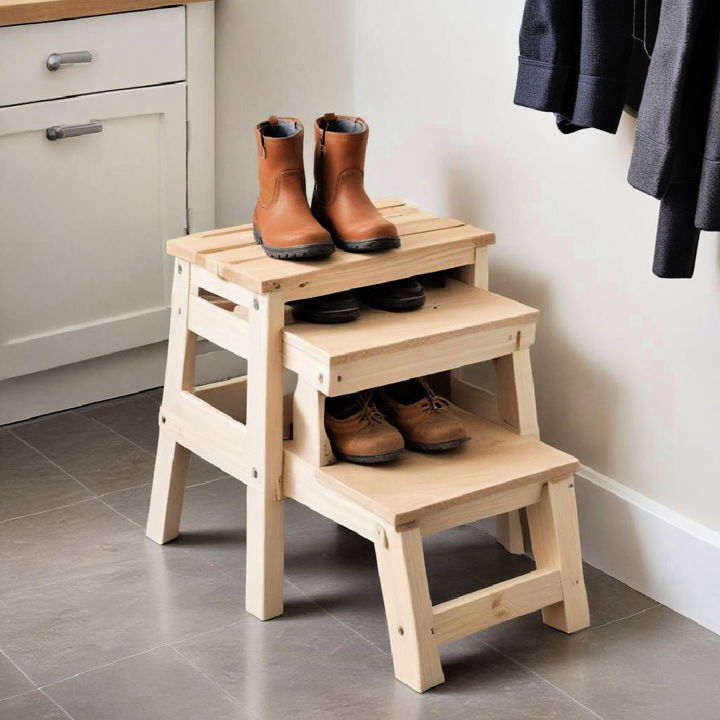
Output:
(59, 132)
(56, 60)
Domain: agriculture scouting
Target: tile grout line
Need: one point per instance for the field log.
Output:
(541, 678)
(20, 670)
(169, 644)
(52, 462)
(115, 432)
(213, 681)
(57, 705)
(42, 512)
(334, 617)
(627, 617)
(17, 695)
(93, 495)
(145, 450)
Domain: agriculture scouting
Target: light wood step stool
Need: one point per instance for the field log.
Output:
(227, 291)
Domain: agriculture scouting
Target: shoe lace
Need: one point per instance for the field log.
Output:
(369, 413)
(433, 403)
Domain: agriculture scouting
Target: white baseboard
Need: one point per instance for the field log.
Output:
(649, 547)
(102, 378)
(642, 543)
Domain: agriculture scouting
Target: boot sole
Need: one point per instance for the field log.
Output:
(297, 252)
(368, 245)
(436, 447)
(369, 459)
(398, 305)
(327, 318)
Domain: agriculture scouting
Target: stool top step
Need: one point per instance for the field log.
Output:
(420, 484)
(429, 244)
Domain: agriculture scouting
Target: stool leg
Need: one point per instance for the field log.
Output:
(401, 565)
(265, 515)
(171, 459)
(516, 407)
(168, 490)
(556, 544)
(310, 441)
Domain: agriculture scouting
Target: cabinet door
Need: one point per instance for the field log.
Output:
(83, 225)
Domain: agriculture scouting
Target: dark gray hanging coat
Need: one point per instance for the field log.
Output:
(584, 59)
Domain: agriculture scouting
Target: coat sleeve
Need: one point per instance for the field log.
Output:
(707, 216)
(549, 51)
(656, 137)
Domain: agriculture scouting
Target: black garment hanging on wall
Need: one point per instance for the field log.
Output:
(585, 59)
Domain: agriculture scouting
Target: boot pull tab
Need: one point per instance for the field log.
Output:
(329, 117)
(272, 121)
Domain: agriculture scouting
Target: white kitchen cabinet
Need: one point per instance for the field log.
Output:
(84, 219)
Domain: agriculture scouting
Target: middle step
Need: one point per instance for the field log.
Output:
(458, 325)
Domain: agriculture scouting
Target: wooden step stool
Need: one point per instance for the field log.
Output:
(227, 291)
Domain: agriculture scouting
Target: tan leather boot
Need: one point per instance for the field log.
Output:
(339, 200)
(426, 420)
(358, 432)
(282, 221)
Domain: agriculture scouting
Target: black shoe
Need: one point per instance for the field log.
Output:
(336, 308)
(395, 296)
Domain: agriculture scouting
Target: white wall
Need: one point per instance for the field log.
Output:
(627, 366)
(273, 58)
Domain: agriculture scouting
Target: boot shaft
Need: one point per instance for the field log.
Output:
(340, 146)
(279, 143)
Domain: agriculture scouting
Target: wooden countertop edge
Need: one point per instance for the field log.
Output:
(19, 12)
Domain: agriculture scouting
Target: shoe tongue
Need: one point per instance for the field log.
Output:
(407, 392)
(343, 406)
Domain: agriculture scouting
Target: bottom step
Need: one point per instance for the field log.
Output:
(496, 464)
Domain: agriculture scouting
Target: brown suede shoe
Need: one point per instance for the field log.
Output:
(425, 419)
(358, 432)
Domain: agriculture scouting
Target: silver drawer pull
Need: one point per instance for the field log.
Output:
(56, 60)
(59, 132)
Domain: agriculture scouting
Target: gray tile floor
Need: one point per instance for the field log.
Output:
(98, 623)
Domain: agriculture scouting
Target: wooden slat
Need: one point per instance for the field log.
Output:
(479, 610)
(439, 249)
(227, 396)
(230, 397)
(15, 12)
(299, 484)
(207, 432)
(501, 501)
(454, 310)
(427, 240)
(422, 484)
(203, 279)
(435, 355)
(220, 326)
(458, 325)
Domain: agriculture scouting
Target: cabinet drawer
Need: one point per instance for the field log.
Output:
(128, 50)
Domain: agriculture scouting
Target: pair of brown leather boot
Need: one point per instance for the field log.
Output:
(342, 214)
(419, 419)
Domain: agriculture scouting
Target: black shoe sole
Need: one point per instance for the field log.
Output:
(435, 447)
(404, 305)
(326, 318)
(298, 252)
(369, 459)
(369, 245)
